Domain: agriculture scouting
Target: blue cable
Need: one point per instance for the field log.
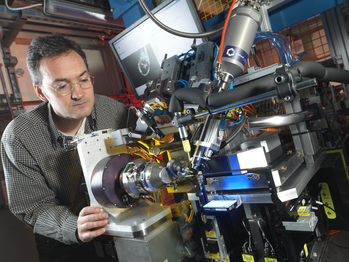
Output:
(185, 81)
(214, 58)
(281, 45)
(231, 84)
(226, 113)
(182, 82)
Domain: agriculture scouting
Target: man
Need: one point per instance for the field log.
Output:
(42, 178)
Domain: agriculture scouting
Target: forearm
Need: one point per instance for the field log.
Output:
(34, 203)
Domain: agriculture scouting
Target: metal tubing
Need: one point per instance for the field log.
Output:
(6, 93)
(279, 120)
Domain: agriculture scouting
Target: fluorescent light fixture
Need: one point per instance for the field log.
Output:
(81, 13)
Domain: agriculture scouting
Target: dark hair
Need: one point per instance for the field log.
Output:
(49, 46)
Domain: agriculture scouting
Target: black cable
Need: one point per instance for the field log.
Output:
(309, 131)
(229, 139)
(128, 116)
(336, 244)
(339, 215)
(175, 32)
(198, 130)
(253, 52)
(256, 60)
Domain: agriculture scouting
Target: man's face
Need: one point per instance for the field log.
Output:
(70, 68)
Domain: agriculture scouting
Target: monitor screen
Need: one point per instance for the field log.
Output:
(140, 48)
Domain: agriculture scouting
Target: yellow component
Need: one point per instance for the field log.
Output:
(306, 250)
(144, 144)
(166, 139)
(303, 211)
(212, 255)
(270, 259)
(155, 105)
(327, 199)
(247, 258)
(210, 233)
(226, 259)
(186, 146)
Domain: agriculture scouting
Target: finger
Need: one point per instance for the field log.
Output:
(89, 235)
(158, 120)
(167, 119)
(92, 225)
(90, 210)
(92, 218)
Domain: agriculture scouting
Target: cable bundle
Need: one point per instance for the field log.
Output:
(281, 45)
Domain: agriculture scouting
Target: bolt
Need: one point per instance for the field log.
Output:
(112, 10)
(287, 98)
(329, 213)
(283, 169)
(299, 153)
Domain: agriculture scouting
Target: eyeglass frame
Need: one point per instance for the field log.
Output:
(72, 85)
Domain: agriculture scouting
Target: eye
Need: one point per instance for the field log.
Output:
(60, 86)
(84, 80)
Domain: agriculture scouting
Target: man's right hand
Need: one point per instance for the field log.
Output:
(91, 223)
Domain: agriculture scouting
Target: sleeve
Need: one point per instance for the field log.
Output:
(114, 114)
(30, 198)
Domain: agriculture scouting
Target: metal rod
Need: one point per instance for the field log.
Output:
(5, 92)
(279, 120)
(243, 102)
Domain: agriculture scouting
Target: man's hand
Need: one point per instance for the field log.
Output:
(91, 223)
(162, 119)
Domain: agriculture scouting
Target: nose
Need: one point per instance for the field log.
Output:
(77, 92)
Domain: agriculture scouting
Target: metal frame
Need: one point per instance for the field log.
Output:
(337, 38)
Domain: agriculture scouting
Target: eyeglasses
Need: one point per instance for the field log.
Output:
(64, 88)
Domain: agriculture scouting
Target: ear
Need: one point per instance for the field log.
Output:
(40, 93)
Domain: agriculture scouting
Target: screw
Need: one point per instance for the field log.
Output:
(283, 169)
(112, 10)
(287, 98)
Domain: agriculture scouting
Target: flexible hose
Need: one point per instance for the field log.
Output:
(316, 70)
(188, 94)
(175, 32)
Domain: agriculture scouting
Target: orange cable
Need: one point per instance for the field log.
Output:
(270, 130)
(223, 33)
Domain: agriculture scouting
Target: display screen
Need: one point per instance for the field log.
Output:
(141, 48)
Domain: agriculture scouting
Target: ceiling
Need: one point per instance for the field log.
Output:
(22, 24)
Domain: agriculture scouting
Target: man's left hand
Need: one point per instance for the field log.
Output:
(162, 119)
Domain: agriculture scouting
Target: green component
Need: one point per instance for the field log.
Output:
(327, 199)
